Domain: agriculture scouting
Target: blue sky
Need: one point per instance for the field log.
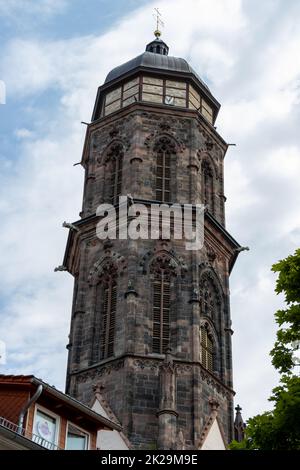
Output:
(54, 55)
(50, 20)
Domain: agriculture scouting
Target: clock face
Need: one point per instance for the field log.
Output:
(169, 99)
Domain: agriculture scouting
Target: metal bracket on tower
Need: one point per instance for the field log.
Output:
(70, 226)
(60, 268)
(242, 248)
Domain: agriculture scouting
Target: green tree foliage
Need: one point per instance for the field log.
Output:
(288, 320)
(279, 429)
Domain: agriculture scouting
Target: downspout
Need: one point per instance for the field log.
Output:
(32, 400)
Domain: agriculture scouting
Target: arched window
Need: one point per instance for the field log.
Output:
(210, 298)
(161, 311)
(207, 185)
(115, 168)
(108, 318)
(212, 322)
(162, 269)
(105, 314)
(207, 348)
(207, 298)
(164, 149)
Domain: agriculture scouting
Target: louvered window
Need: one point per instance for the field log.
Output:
(116, 178)
(206, 349)
(163, 175)
(108, 319)
(161, 312)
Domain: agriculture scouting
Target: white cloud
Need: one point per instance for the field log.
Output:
(13, 8)
(2, 92)
(23, 133)
(251, 61)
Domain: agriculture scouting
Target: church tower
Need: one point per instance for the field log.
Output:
(150, 319)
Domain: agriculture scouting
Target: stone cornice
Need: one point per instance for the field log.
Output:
(154, 362)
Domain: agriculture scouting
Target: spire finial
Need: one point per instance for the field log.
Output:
(159, 23)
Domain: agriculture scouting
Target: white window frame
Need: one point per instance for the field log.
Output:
(80, 429)
(46, 411)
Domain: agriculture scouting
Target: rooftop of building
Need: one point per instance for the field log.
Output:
(71, 403)
(155, 61)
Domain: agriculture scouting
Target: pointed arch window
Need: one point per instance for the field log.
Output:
(207, 349)
(108, 318)
(164, 150)
(105, 314)
(211, 330)
(210, 298)
(161, 311)
(116, 172)
(207, 299)
(207, 185)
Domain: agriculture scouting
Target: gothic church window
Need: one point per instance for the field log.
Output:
(115, 172)
(206, 345)
(108, 317)
(164, 150)
(207, 298)
(116, 178)
(161, 305)
(210, 298)
(105, 313)
(207, 185)
(161, 312)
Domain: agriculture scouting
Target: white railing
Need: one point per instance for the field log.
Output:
(28, 435)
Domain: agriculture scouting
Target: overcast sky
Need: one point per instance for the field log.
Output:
(54, 55)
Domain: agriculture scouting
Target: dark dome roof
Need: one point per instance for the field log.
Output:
(155, 61)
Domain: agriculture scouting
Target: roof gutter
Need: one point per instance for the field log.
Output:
(80, 406)
(32, 400)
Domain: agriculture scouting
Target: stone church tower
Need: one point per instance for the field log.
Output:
(150, 319)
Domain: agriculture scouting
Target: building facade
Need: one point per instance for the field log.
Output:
(150, 319)
(36, 416)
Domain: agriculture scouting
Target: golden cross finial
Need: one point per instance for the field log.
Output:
(159, 23)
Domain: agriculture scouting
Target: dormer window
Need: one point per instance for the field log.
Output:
(76, 438)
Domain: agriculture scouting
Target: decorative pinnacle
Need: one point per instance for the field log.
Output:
(238, 409)
(159, 23)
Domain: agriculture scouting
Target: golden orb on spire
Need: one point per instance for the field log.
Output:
(159, 23)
